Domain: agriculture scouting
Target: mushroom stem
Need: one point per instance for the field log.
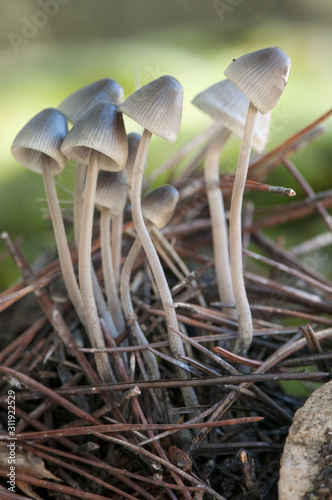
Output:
(85, 268)
(117, 223)
(235, 237)
(78, 208)
(78, 200)
(128, 309)
(108, 271)
(62, 244)
(102, 308)
(152, 256)
(218, 220)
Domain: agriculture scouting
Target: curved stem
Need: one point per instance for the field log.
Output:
(84, 271)
(235, 236)
(218, 221)
(129, 312)
(117, 223)
(108, 272)
(163, 288)
(62, 244)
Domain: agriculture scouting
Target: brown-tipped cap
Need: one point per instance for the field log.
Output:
(226, 103)
(58, 291)
(261, 76)
(157, 107)
(133, 143)
(111, 191)
(159, 205)
(79, 102)
(101, 129)
(38, 142)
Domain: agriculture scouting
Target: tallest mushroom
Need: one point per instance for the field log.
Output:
(261, 76)
(158, 108)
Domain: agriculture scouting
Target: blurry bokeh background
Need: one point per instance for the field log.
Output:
(50, 48)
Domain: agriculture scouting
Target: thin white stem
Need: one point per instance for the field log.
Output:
(218, 221)
(235, 237)
(149, 357)
(78, 200)
(102, 306)
(78, 208)
(84, 271)
(152, 256)
(117, 223)
(62, 244)
(113, 301)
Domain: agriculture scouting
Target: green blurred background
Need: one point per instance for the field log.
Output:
(49, 48)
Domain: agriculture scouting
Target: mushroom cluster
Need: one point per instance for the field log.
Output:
(109, 176)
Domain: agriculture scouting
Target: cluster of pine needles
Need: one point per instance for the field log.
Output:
(78, 438)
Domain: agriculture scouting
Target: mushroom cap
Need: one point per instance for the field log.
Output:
(226, 103)
(111, 191)
(133, 143)
(101, 130)
(261, 76)
(58, 291)
(79, 102)
(157, 107)
(159, 205)
(38, 142)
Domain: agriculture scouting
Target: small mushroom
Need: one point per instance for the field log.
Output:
(157, 107)
(261, 76)
(80, 101)
(76, 105)
(111, 195)
(98, 139)
(228, 105)
(37, 147)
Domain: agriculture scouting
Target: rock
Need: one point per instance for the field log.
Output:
(307, 456)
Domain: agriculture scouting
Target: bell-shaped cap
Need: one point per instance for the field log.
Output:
(133, 143)
(261, 76)
(38, 142)
(159, 205)
(101, 130)
(157, 107)
(224, 102)
(111, 191)
(79, 102)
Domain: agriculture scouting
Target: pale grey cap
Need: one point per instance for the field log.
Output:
(224, 102)
(79, 102)
(261, 76)
(157, 107)
(101, 129)
(111, 191)
(159, 205)
(38, 142)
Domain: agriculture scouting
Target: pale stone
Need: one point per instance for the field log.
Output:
(311, 428)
